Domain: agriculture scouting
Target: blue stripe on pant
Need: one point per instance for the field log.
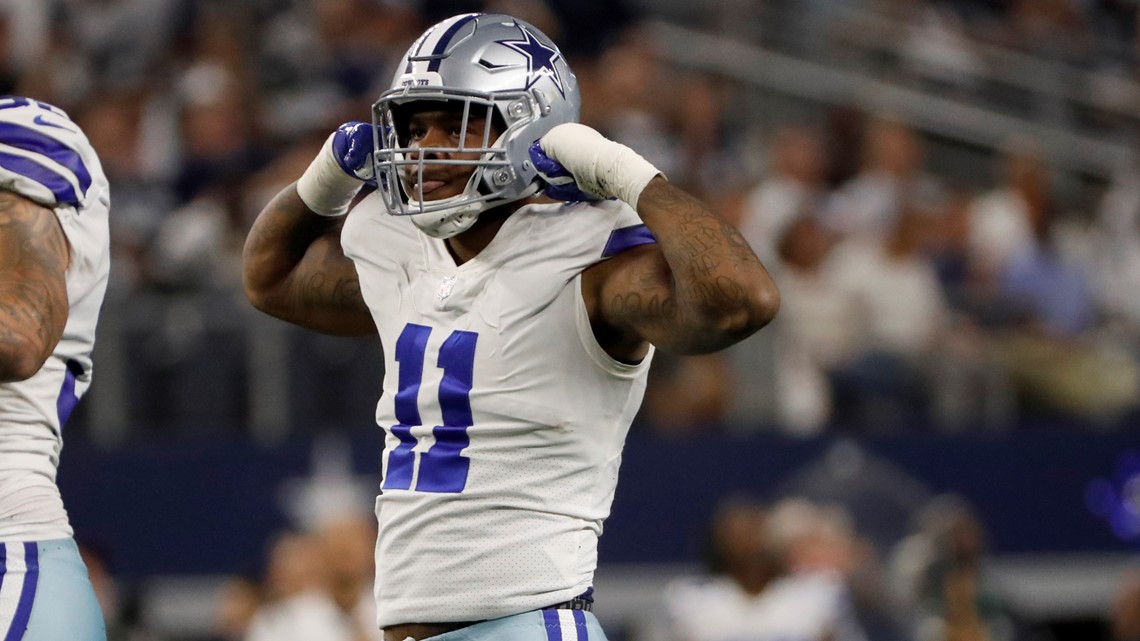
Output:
(580, 626)
(46, 595)
(31, 576)
(553, 627)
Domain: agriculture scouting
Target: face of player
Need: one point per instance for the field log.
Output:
(442, 127)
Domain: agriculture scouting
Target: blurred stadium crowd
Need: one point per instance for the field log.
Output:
(792, 570)
(928, 283)
(917, 292)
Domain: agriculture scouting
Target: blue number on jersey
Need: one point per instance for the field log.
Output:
(442, 468)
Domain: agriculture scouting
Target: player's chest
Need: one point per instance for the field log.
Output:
(473, 297)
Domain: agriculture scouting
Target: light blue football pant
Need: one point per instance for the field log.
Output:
(45, 594)
(539, 625)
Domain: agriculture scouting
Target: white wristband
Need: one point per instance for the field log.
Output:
(324, 187)
(600, 166)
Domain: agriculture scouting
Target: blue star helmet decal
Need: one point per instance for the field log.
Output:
(540, 59)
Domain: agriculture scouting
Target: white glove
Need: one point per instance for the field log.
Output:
(601, 167)
(342, 167)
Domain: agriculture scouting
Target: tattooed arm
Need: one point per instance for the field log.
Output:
(295, 269)
(34, 255)
(701, 288)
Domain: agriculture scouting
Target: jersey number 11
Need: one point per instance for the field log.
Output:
(442, 468)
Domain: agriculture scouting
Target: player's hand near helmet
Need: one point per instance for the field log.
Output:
(342, 167)
(578, 163)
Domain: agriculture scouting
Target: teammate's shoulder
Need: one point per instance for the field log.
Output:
(44, 155)
(19, 115)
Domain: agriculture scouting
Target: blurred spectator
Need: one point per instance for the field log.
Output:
(1117, 248)
(812, 332)
(709, 152)
(939, 51)
(1050, 28)
(818, 543)
(115, 121)
(626, 96)
(347, 543)
(686, 393)
(808, 539)
(1040, 290)
(238, 600)
(942, 581)
(773, 380)
(793, 183)
(748, 596)
(899, 316)
(325, 62)
(752, 593)
(892, 178)
(319, 585)
(298, 605)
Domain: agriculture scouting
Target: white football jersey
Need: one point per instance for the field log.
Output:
(504, 418)
(801, 607)
(46, 158)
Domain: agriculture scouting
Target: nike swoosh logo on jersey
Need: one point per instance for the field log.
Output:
(40, 120)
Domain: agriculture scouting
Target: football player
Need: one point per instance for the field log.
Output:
(54, 262)
(517, 330)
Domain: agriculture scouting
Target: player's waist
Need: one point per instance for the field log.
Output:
(401, 632)
(31, 508)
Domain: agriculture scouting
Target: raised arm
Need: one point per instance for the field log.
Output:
(294, 268)
(34, 256)
(293, 264)
(701, 288)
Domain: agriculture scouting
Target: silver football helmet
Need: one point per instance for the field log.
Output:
(488, 65)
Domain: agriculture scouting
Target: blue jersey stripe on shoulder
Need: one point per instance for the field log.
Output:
(38, 142)
(627, 238)
(57, 184)
(68, 399)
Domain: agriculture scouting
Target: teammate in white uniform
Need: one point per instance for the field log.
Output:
(54, 262)
(517, 330)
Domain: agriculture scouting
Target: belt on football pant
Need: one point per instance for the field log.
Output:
(584, 601)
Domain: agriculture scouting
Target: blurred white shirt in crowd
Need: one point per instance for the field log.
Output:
(313, 615)
(801, 607)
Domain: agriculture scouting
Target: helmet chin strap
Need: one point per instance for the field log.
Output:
(449, 221)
